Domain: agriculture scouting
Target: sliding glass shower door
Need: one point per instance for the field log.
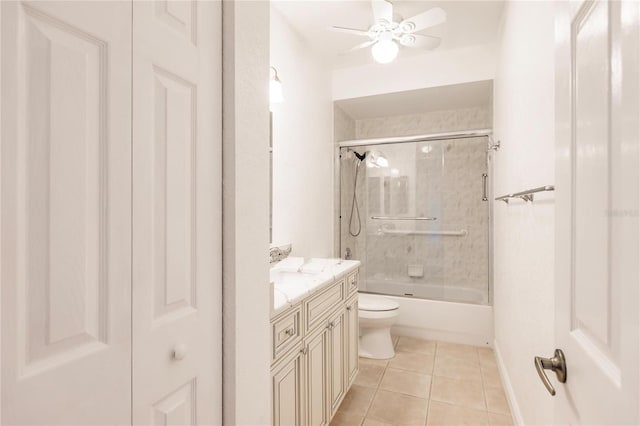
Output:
(418, 219)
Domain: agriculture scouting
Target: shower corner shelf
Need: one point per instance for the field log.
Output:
(525, 195)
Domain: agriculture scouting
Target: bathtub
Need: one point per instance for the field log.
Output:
(419, 316)
(428, 291)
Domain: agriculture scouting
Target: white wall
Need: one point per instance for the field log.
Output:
(302, 145)
(524, 232)
(246, 341)
(438, 68)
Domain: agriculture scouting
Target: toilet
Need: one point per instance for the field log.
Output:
(376, 315)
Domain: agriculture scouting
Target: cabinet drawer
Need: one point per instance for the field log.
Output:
(285, 332)
(318, 308)
(352, 284)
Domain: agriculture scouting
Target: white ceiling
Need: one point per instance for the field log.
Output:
(468, 23)
(442, 98)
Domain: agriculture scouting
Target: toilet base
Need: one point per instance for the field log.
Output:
(376, 343)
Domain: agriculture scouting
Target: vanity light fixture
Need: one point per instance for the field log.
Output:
(275, 88)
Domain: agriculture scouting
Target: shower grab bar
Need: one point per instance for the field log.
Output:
(526, 195)
(484, 187)
(385, 230)
(402, 218)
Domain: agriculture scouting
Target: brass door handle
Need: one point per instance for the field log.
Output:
(557, 364)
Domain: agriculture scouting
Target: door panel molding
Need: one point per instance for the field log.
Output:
(66, 212)
(597, 202)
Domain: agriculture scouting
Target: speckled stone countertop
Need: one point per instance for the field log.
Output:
(294, 278)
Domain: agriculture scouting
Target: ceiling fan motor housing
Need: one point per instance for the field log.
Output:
(390, 28)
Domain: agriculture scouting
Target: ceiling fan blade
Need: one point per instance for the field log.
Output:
(430, 18)
(382, 10)
(420, 41)
(349, 31)
(361, 46)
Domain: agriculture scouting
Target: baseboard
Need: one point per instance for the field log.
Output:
(516, 415)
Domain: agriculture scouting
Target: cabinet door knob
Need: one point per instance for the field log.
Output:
(289, 332)
(349, 308)
(179, 352)
(303, 351)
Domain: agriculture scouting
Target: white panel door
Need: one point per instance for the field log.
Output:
(177, 324)
(597, 222)
(66, 213)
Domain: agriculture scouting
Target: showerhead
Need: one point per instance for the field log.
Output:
(374, 158)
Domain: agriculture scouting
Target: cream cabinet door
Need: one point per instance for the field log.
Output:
(287, 391)
(177, 186)
(337, 358)
(351, 341)
(66, 212)
(316, 378)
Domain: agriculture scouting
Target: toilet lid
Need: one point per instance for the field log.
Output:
(370, 302)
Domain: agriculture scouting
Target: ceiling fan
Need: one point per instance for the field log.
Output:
(386, 36)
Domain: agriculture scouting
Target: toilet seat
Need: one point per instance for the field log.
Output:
(377, 315)
(369, 302)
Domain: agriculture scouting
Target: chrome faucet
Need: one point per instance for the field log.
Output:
(347, 254)
(304, 263)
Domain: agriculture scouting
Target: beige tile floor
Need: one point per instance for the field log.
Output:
(427, 383)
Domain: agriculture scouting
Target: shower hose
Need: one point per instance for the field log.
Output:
(354, 205)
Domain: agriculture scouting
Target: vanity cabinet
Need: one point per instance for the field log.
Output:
(311, 377)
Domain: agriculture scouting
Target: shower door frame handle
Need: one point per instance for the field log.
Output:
(484, 187)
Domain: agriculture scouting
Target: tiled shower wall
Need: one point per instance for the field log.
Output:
(344, 128)
(418, 124)
(438, 179)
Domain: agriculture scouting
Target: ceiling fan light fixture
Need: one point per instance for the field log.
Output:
(389, 32)
(384, 51)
